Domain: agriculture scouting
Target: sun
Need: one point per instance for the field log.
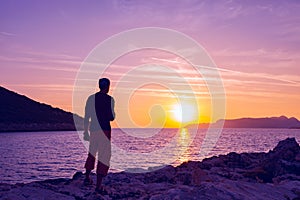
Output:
(185, 113)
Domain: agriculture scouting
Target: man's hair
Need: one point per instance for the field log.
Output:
(104, 83)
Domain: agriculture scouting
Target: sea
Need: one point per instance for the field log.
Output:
(35, 156)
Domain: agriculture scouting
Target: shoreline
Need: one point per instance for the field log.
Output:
(74, 129)
(271, 175)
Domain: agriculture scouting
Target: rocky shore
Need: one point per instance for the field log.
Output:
(272, 175)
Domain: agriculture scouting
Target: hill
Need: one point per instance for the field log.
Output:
(20, 113)
(266, 122)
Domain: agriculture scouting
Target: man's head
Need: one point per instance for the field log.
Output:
(104, 84)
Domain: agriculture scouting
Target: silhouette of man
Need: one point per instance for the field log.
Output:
(100, 110)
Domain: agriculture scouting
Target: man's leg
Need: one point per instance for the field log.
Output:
(89, 165)
(104, 155)
(99, 181)
(87, 173)
(90, 161)
(102, 170)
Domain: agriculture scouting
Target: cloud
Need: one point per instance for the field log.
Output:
(236, 81)
(49, 87)
(3, 33)
(43, 61)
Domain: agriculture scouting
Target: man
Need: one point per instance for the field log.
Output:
(100, 110)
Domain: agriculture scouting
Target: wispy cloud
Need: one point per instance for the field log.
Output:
(3, 33)
(43, 61)
(282, 78)
(46, 87)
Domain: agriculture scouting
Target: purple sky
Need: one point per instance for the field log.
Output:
(255, 43)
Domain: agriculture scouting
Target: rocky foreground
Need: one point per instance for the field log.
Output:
(272, 175)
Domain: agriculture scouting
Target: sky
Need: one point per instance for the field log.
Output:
(254, 44)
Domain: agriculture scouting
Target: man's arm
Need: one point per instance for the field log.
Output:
(87, 116)
(113, 115)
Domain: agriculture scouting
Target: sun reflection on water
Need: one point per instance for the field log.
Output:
(184, 141)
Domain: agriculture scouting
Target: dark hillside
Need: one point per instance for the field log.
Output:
(20, 113)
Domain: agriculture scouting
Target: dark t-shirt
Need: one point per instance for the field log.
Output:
(100, 109)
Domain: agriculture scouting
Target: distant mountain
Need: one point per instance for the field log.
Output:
(20, 113)
(267, 122)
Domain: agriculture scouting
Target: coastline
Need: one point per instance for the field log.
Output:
(272, 175)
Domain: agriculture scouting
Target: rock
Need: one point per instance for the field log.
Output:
(199, 175)
(77, 176)
(282, 160)
(261, 167)
(286, 149)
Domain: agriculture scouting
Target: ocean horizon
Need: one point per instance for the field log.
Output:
(35, 156)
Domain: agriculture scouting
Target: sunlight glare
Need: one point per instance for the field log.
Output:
(185, 112)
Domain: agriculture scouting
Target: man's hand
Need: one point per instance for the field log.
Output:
(86, 136)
